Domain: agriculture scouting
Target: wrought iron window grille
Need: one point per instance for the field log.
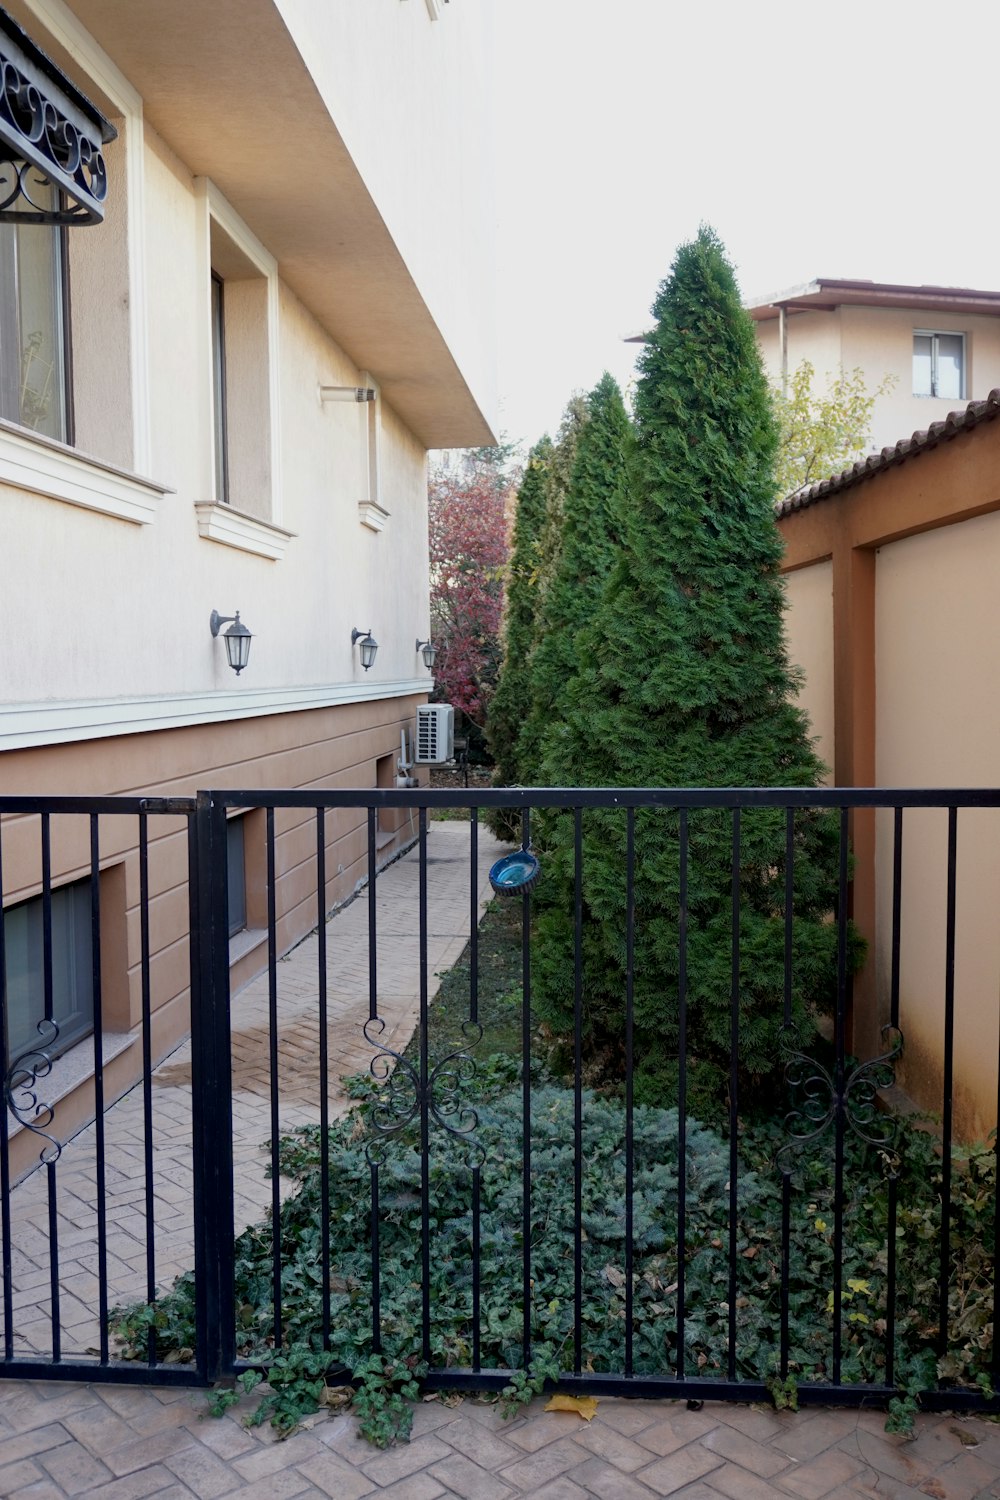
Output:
(50, 134)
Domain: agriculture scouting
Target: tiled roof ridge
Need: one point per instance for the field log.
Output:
(921, 442)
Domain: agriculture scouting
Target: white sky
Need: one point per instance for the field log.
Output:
(840, 139)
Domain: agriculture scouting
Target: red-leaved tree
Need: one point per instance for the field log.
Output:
(467, 526)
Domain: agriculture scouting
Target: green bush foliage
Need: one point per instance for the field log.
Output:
(683, 680)
(298, 1369)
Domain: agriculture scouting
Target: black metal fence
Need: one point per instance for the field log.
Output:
(645, 1252)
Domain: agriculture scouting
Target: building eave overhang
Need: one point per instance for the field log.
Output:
(826, 294)
(266, 138)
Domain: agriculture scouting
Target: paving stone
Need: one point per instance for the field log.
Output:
(545, 1429)
(678, 1469)
(675, 1430)
(396, 1463)
(629, 1416)
(756, 1422)
(888, 1455)
(562, 1489)
(271, 1454)
(203, 1472)
(742, 1450)
(76, 1470)
(43, 1490)
(817, 1476)
(601, 1478)
(18, 1476)
(134, 1486)
(614, 1447)
(803, 1440)
(740, 1484)
(476, 1442)
(465, 1478)
(413, 1487)
(545, 1464)
(149, 1449)
(339, 1480)
(35, 1440)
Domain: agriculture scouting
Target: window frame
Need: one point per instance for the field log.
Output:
(934, 334)
(10, 407)
(82, 1027)
(219, 418)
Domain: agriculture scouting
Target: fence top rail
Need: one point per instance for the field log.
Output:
(612, 797)
(123, 806)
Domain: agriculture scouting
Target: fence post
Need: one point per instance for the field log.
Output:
(211, 1091)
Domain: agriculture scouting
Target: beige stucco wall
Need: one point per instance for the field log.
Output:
(809, 627)
(148, 634)
(938, 725)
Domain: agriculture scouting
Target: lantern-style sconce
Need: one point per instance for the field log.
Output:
(428, 651)
(237, 638)
(369, 645)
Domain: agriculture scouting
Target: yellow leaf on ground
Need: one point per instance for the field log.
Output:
(584, 1406)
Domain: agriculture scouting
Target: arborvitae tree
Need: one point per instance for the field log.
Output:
(591, 519)
(511, 700)
(684, 680)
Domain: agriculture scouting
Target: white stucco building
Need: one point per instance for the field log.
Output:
(221, 398)
(940, 344)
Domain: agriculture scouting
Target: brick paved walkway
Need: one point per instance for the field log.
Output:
(120, 1444)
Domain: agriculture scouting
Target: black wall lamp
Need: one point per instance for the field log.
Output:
(237, 638)
(369, 645)
(428, 651)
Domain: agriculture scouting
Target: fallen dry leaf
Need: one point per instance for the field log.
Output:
(584, 1406)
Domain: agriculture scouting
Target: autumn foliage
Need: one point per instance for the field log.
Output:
(467, 528)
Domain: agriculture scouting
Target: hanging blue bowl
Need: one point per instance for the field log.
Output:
(515, 873)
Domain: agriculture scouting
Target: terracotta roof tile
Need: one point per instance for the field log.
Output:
(921, 442)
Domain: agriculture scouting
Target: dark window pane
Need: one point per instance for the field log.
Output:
(950, 349)
(32, 343)
(72, 974)
(236, 869)
(219, 391)
(922, 365)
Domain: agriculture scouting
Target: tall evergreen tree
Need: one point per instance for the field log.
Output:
(685, 681)
(590, 524)
(511, 699)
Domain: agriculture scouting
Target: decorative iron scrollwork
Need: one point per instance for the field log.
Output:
(819, 1101)
(21, 1093)
(402, 1098)
(50, 139)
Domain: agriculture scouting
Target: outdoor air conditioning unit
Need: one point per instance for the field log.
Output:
(435, 741)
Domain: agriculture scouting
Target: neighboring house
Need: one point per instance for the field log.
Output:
(220, 399)
(941, 344)
(893, 578)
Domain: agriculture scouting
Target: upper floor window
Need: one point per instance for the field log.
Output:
(34, 326)
(939, 365)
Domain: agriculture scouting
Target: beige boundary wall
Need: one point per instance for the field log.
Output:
(913, 553)
(809, 617)
(347, 747)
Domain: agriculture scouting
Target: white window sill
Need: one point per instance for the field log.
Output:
(68, 1072)
(245, 941)
(372, 515)
(29, 461)
(234, 528)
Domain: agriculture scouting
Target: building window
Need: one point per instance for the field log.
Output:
(34, 365)
(219, 390)
(939, 365)
(72, 970)
(236, 870)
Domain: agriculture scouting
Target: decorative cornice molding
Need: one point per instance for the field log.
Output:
(43, 466)
(24, 726)
(372, 515)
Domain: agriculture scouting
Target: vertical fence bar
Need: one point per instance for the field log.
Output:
(734, 1087)
(147, 1078)
(682, 1000)
(274, 1079)
(892, 1207)
(947, 1083)
(474, 1023)
(211, 1091)
(629, 1086)
(526, 1104)
(50, 1154)
(324, 1064)
(786, 1176)
(373, 1016)
(8, 1275)
(99, 1124)
(840, 1071)
(578, 1089)
(425, 1168)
